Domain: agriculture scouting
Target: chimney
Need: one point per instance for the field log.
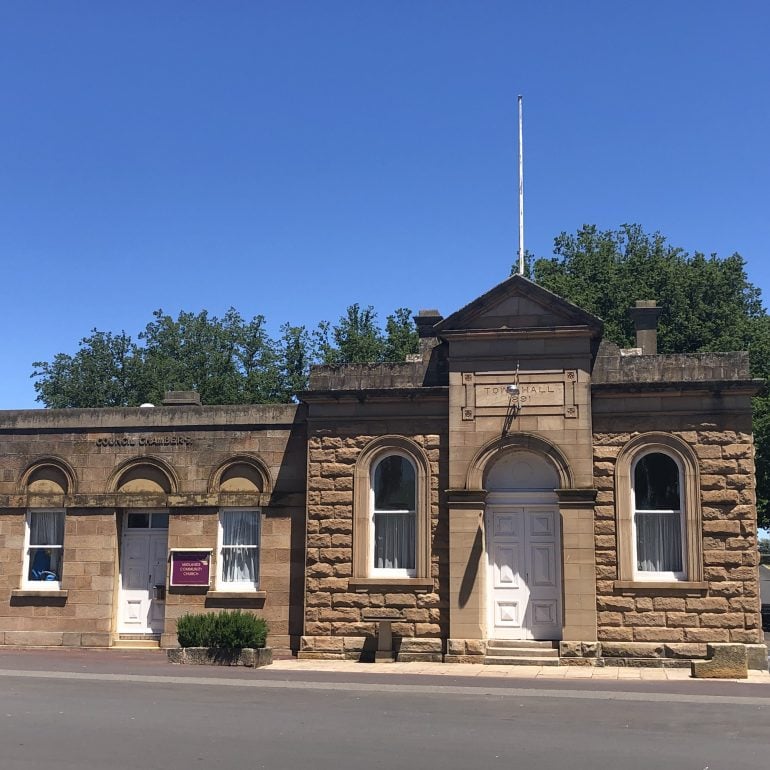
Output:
(425, 320)
(645, 318)
(181, 398)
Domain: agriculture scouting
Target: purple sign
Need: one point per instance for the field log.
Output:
(190, 568)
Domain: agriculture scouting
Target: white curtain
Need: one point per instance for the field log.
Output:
(659, 542)
(240, 551)
(46, 529)
(394, 545)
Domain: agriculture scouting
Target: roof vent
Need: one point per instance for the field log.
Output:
(181, 398)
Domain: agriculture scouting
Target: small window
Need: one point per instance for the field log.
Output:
(658, 521)
(239, 531)
(147, 520)
(43, 550)
(393, 522)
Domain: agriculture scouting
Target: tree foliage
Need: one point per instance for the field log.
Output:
(228, 360)
(708, 304)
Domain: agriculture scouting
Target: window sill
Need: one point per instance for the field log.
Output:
(54, 595)
(418, 584)
(236, 594)
(661, 585)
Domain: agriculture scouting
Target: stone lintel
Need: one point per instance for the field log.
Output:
(466, 498)
(576, 498)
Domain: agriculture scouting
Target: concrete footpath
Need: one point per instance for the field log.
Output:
(149, 665)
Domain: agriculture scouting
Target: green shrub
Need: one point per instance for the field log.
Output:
(226, 629)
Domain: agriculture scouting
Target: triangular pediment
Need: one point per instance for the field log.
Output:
(518, 303)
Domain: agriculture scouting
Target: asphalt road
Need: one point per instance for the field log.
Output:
(93, 720)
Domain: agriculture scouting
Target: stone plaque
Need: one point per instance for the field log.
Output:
(531, 394)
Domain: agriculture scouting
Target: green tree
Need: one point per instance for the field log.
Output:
(401, 336)
(357, 338)
(107, 370)
(708, 304)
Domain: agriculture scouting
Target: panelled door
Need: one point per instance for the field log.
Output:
(524, 574)
(143, 573)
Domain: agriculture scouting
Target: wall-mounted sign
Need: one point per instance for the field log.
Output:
(170, 440)
(191, 568)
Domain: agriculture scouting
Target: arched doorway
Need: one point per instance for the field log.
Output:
(523, 542)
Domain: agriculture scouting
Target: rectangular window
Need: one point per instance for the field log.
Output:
(43, 550)
(239, 531)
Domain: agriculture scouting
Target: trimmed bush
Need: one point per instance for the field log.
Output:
(232, 630)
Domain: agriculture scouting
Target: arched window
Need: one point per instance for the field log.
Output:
(658, 513)
(393, 516)
(657, 517)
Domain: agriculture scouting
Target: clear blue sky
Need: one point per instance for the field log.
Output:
(290, 158)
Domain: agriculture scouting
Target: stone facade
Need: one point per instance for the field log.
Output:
(518, 429)
(98, 466)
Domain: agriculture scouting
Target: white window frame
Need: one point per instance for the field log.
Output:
(388, 572)
(240, 586)
(40, 585)
(649, 575)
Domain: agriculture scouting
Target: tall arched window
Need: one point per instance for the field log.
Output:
(657, 517)
(393, 495)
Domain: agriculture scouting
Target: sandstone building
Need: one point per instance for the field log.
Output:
(521, 484)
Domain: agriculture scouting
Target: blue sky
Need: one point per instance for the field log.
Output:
(290, 158)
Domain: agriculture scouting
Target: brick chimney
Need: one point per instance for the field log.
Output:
(645, 317)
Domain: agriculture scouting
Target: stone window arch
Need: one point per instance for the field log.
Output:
(658, 513)
(391, 498)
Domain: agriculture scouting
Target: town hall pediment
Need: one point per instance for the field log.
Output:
(518, 303)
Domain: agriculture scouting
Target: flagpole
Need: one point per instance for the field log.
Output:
(521, 189)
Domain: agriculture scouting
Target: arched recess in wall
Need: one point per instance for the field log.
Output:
(493, 451)
(48, 476)
(144, 475)
(241, 474)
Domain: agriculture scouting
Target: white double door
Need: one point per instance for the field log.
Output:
(524, 571)
(143, 581)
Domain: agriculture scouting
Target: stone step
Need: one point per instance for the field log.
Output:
(532, 660)
(521, 652)
(136, 644)
(521, 644)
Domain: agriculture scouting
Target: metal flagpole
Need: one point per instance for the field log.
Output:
(521, 190)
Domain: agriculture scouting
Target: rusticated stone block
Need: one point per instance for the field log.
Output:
(645, 634)
(421, 646)
(616, 634)
(668, 603)
(644, 619)
(455, 646)
(722, 527)
(706, 635)
(756, 656)
(707, 604)
(401, 600)
(722, 620)
(725, 661)
(685, 650)
(616, 603)
(475, 647)
(610, 619)
(632, 650)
